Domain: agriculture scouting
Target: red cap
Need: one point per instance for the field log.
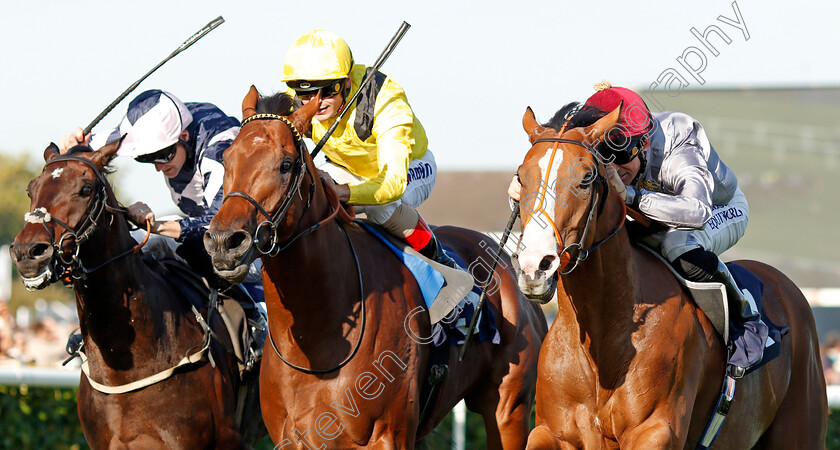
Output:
(635, 117)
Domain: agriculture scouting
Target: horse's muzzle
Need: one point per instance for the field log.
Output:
(540, 288)
(230, 252)
(32, 260)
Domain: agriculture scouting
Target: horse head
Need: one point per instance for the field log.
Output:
(564, 191)
(67, 202)
(267, 174)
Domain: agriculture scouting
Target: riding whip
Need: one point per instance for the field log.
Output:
(478, 306)
(190, 41)
(376, 65)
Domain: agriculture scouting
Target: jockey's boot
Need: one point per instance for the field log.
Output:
(424, 241)
(257, 324)
(742, 308)
(406, 224)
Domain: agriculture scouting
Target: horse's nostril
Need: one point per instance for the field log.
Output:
(546, 262)
(38, 250)
(236, 239)
(210, 243)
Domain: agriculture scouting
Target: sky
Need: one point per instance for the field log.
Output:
(469, 68)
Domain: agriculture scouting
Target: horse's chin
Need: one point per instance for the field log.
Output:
(235, 275)
(39, 281)
(541, 294)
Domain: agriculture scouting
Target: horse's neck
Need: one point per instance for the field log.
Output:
(121, 310)
(600, 295)
(308, 277)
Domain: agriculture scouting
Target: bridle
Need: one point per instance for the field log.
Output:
(596, 199)
(274, 247)
(66, 263)
(273, 221)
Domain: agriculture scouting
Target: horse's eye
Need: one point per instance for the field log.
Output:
(286, 166)
(86, 191)
(587, 179)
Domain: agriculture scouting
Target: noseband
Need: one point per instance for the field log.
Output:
(595, 199)
(273, 220)
(68, 263)
(275, 248)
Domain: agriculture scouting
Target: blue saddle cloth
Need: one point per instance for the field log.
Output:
(746, 337)
(430, 282)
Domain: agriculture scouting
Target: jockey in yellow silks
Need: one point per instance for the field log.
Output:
(377, 157)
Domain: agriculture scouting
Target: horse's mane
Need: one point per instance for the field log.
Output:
(578, 116)
(279, 103)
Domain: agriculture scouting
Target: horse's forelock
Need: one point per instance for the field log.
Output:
(280, 103)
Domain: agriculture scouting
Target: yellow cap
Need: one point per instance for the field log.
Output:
(317, 55)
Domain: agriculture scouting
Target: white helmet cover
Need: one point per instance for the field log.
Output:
(154, 120)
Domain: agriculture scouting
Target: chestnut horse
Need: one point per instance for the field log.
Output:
(630, 361)
(135, 323)
(344, 312)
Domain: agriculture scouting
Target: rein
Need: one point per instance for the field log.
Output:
(273, 221)
(70, 263)
(595, 199)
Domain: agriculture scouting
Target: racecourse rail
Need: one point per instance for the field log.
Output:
(69, 378)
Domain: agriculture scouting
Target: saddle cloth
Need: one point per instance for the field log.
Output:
(711, 298)
(450, 294)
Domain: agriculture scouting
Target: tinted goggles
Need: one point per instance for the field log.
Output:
(329, 90)
(622, 156)
(160, 156)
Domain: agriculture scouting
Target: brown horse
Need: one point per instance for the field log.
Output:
(630, 361)
(346, 315)
(134, 322)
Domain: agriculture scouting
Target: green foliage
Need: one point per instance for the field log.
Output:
(832, 438)
(15, 173)
(39, 418)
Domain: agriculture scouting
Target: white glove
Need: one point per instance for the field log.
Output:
(615, 181)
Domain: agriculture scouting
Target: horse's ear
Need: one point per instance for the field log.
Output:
(597, 131)
(104, 155)
(51, 152)
(249, 103)
(302, 118)
(532, 127)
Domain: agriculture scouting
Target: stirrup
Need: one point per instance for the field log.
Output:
(258, 334)
(74, 344)
(735, 372)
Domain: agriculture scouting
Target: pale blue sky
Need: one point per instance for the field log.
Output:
(469, 68)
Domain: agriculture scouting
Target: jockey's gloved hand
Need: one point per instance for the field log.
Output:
(515, 188)
(615, 181)
(139, 213)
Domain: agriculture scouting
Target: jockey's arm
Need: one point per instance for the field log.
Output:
(688, 205)
(139, 213)
(393, 130)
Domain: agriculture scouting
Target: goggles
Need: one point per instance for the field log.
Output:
(160, 156)
(623, 156)
(308, 89)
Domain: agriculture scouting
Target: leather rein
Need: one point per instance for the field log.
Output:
(596, 199)
(68, 263)
(273, 221)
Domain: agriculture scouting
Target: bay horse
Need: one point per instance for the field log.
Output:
(346, 355)
(134, 322)
(630, 362)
